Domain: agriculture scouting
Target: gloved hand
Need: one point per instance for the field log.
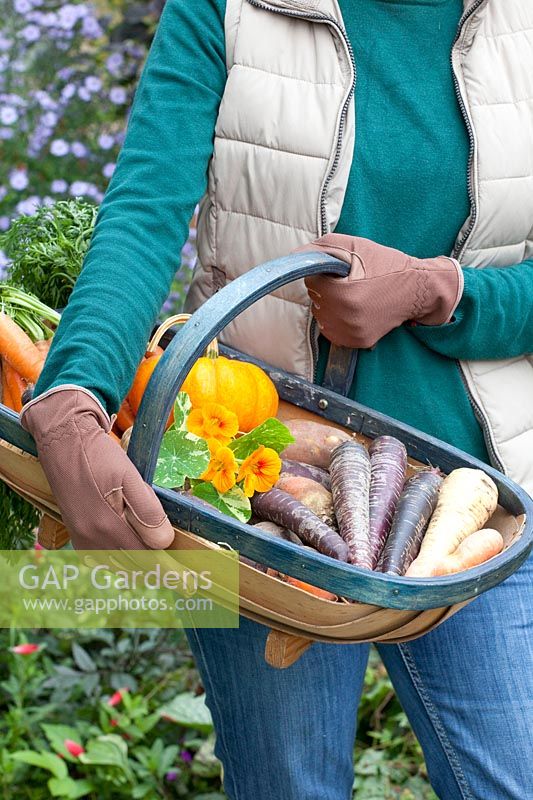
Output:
(384, 289)
(104, 502)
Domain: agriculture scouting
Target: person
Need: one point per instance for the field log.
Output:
(298, 120)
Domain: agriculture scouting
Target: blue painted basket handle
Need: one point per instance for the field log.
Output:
(191, 340)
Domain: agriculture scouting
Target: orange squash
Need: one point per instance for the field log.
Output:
(142, 376)
(242, 387)
(239, 386)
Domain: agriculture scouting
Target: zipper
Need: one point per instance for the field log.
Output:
(460, 246)
(482, 419)
(339, 29)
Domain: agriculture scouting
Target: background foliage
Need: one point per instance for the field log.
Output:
(68, 72)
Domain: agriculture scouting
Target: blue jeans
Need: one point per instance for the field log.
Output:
(467, 688)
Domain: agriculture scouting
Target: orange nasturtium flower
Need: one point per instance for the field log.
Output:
(222, 469)
(260, 470)
(213, 421)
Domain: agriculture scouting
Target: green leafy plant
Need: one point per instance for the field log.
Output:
(46, 250)
(212, 468)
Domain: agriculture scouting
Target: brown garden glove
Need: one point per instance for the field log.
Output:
(384, 289)
(104, 502)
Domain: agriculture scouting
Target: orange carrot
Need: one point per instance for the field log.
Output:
(7, 400)
(125, 417)
(18, 349)
(477, 548)
(307, 587)
(17, 385)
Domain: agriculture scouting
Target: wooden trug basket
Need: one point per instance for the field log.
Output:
(386, 608)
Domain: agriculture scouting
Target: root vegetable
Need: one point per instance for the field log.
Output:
(279, 507)
(18, 349)
(467, 499)
(415, 507)
(350, 486)
(311, 494)
(278, 532)
(17, 385)
(308, 587)
(301, 470)
(314, 442)
(477, 548)
(388, 463)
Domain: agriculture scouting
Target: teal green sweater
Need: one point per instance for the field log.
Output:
(407, 189)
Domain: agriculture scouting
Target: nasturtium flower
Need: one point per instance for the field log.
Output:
(25, 649)
(213, 421)
(260, 470)
(222, 469)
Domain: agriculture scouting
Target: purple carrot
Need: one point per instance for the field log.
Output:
(284, 510)
(388, 464)
(416, 505)
(350, 485)
(301, 470)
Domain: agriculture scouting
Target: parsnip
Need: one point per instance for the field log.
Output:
(467, 499)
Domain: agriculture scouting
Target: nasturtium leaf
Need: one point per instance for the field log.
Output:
(182, 409)
(233, 503)
(271, 433)
(182, 455)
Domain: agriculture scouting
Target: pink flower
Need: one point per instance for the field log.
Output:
(116, 698)
(25, 649)
(74, 748)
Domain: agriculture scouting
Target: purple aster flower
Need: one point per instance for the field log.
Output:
(31, 33)
(28, 206)
(118, 95)
(105, 141)
(45, 101)
(90, 28)
(78, 149)
(5, 43)
(91, 190)
(3, 192)
(172, 774)
(114, 63)
(65, 73)
(18, 178)
(78, 188)
(48, 201)
(92, 83)
(59, 147)
(22, 6)
(186, 756)
(68, 91)
(8, 115)
(84, 94)
(59, 186)
(4, 261)
(108, 170)
(49, 119)
(67, 16)
(4, 223)
(6, 133)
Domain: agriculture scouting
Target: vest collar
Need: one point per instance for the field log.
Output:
(328, 8)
